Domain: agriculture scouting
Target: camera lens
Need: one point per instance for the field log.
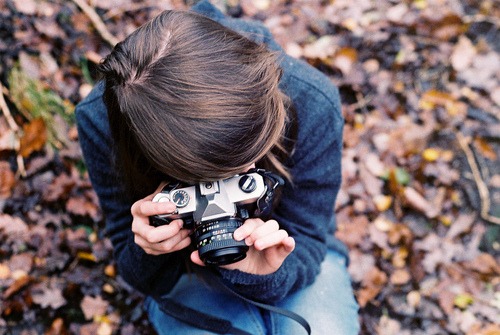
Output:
(215, 243)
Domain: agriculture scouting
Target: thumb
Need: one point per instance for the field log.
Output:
(195, 258)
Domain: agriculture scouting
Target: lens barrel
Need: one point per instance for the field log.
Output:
(215, 243)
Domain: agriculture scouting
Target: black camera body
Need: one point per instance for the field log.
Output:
(214, 210)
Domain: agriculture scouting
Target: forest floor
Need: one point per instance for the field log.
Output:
(419, 206)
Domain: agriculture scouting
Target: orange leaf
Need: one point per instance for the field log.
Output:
(16, 286)
(7, 180)
(400, 277)
(345, 58)
(34, 137)
(485, 149)
(434, 98)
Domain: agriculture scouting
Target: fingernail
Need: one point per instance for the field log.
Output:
(236, 236)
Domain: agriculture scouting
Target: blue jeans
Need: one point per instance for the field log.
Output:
(328, 305)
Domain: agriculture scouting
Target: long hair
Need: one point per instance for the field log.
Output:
(193, 100)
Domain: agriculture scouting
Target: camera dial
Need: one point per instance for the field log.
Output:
(247, 183)
(180, 198)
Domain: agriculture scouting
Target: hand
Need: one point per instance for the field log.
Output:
(269, 246)
(162, 239)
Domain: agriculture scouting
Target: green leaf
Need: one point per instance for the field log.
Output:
(402, 176)
(35, 99)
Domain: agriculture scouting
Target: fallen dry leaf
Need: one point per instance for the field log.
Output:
(400, 277)
(93, 306)
(420, 203)
(7, 180)
(49, 297)
(34, 137)
(372, 283)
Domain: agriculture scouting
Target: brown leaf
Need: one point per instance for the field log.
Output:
(409, 139)
(399, 257)
(485, 264)
(463, 54)
(92, 307)
(15, 287)
(82, 206)
(372, 284)
(446, 301)
(7, 180)
(57, 328)
(483, 72)
(374, 164)
(27, 7)
(34, 137)
(89, 329)
(372, 184)
(461, 225)
(49, 297)
(485, 148)
(77, 240)
(416, 269)
(253, 7)
(397, 13)
(352, 231)
(322, 48)
(448, 27)
(417, 201)
(434, 98)
(13, 227)
(388, 326)
(360, 264)
(60, 188)
(400, 277)
(344, 59)
(23, 262)
(400, 233)
(4, 271)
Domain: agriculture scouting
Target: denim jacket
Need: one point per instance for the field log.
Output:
(306, 208)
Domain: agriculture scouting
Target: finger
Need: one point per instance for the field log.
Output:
(288, 245)
(148, 208)
(162, 233)
(266, 229)
(140, 226)
(195, 258)
(247, 228)
(144, 245)
(273, 239)
(277, 255)
(176, 242)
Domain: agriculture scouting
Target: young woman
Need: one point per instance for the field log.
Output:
(194, 96)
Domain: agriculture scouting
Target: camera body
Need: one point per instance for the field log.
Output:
(214, 210)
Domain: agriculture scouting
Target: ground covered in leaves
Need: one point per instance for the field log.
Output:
(420, 203)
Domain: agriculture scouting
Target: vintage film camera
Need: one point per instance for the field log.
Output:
(214, 210)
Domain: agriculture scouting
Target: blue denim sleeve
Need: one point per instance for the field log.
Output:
(142, 271)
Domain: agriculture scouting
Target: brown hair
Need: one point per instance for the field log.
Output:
(193, 100)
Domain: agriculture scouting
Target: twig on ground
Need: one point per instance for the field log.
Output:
(5, 109)
(15, 128)
(98, 23)
(484, 193)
